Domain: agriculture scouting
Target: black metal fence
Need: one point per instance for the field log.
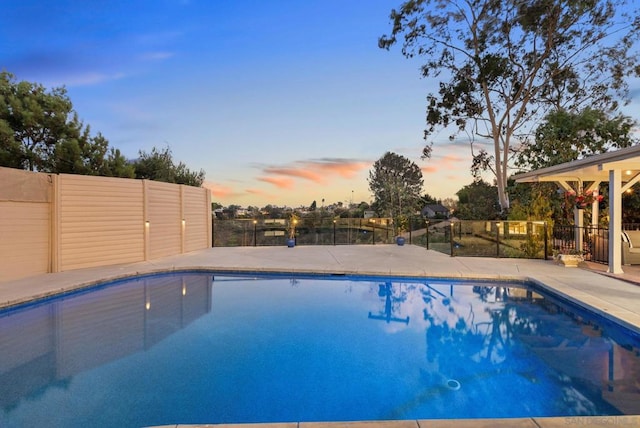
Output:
(595, 241)
(521, 239)
(327, 231)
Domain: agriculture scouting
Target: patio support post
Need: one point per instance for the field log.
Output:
(578, 221)
(595, 214)
(615, 221)
(546, 241)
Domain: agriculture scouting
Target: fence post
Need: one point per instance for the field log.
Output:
(497, 239)
(410, 228)
(426, 232)
(255, 235)
(334, 232)
(451, 232)
(373, 233)
(546, 241)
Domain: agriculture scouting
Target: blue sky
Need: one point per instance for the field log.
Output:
(279, 101)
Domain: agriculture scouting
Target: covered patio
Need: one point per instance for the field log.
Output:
(620, 169)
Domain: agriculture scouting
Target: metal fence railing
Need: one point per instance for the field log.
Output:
(319, 231)
(510, 239)
(522, 239)
(595, 240)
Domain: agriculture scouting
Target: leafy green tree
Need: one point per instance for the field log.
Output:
(533, 201)
(631, 204)
(88, 155)
(232, 211)
(40, 131)
(159, 166)
(361, 208)
(478, 201)
(450, 203)
(116, 165)
(396, 183)
(273, 211)
(565, 136)
(427, 199)
(509, 62)
(10, 149)
(32, 121)
(254, 212)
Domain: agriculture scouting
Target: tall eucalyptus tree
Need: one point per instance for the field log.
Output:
(504, 64)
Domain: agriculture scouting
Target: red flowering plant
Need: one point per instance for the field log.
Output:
(582, 200)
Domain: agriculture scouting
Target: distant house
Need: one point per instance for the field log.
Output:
(369, 214)
(435, 211)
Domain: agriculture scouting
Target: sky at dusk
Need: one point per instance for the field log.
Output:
(280, 102)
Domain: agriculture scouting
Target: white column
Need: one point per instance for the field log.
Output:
(595, 206)
(578, 221)
(615, 221)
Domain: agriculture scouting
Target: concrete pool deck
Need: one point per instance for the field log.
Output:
(614, 298)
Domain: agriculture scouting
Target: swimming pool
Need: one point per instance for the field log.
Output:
(205, 348)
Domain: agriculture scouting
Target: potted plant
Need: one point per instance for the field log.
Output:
(291, 239)
(401, 226)
(569, 257)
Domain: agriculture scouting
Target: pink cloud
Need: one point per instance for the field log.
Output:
(451, 158)
(218, 190)
(317, 171)
(344, 168)
(261, 193)
(296, 172)
(429, 169)
(280, 182)
(444, 163)
(257, 192)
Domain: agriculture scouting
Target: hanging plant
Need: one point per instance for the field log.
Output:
(582, 200)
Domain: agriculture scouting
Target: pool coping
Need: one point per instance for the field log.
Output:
(626, 319)
(582, 421)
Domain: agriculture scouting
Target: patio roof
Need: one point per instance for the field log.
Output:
(592, 168)
(620, 168)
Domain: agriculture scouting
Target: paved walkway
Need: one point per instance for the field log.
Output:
(616, 298)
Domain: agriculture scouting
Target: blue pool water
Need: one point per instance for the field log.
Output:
(198, 348)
